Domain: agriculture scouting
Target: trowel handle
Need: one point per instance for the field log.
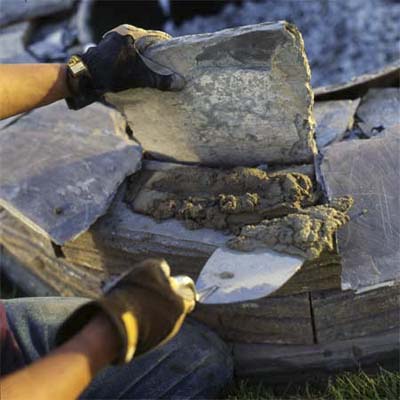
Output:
(184, 286)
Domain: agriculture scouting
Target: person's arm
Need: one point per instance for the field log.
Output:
(28, 86)
(115, 64)
(142, 310)
(65, 372)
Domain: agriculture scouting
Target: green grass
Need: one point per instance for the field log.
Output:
(347, 386)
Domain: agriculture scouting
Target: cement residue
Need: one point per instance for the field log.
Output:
(220, 199)
(306, 233)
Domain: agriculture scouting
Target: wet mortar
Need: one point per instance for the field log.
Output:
(219, 199)
(274, 210)
(306, 233)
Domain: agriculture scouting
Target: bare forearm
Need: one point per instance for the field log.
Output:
(65, 372)
(27, 86)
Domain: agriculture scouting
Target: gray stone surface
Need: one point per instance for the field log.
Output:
(60, 169)
(11, 44)
(247, 100)
(333, 119)
(53, 39)
(141, 229)
(379, 110)
(387, 76)
(19, 10)
(4, 123)
(368, 170)
(171, 233)
(339, 35)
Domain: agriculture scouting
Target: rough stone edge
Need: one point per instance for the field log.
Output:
(308, 144)
(388, 76)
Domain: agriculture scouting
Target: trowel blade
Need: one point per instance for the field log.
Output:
(231, 276)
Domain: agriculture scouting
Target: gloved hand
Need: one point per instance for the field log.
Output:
(145, 299)
(117, 64)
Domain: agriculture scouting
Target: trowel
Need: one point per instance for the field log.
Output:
(231, 276)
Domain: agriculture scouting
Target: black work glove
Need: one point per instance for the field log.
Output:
(117, 64)
(146, 299)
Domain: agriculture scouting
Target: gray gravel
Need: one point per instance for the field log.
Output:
(343, 38)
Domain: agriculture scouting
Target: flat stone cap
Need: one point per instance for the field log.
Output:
(60, 169)
(247, 99)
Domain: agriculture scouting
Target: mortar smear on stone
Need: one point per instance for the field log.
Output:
(306, 233)
(219, 199)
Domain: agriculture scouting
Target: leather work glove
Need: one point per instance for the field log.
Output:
(145, 300)
(117, 63)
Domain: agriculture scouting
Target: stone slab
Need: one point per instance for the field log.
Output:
(19, 10)
(333, 119)
(30, 285)
(61, 168)
(280, 364)
(12, 48)
(387, 76)
(247, 100)
(379, 110)
(4, 123)
(120, 220)
(346, 315)
(368, 170)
